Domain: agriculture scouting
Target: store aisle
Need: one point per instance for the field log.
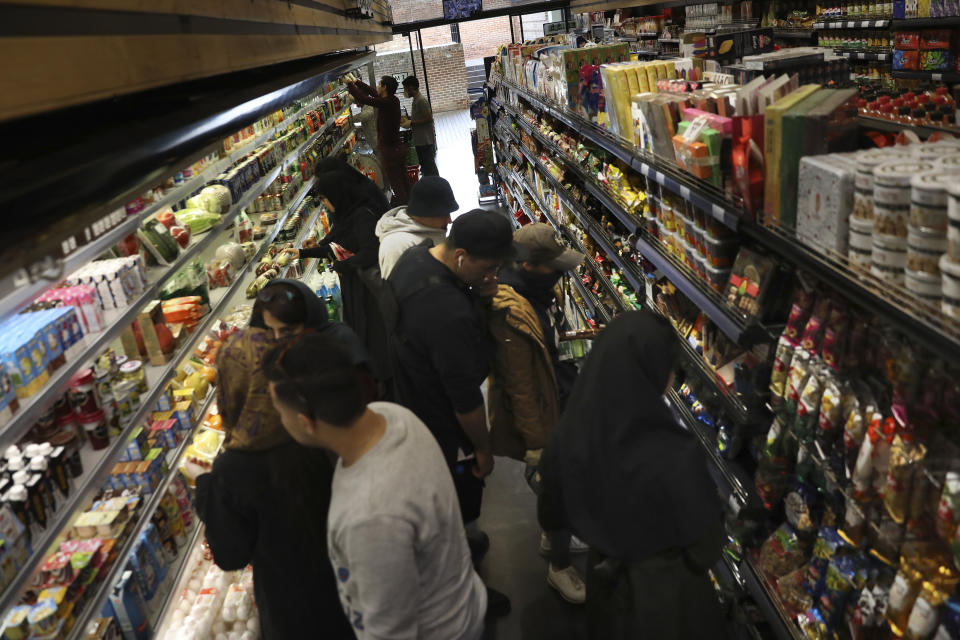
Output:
(514, 565)
(455, 157)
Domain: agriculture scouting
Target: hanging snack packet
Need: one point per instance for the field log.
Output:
(827, 545)
(780, 553)
(799, 315)
(948, 510)
(796, 381)
(813, 332)
(925, 614)
(808, 406)
(781, 367)
(834, 336)
(881, 455)
(903, 593)
(792, 589)
(829, 420)
(846, 575)
(854, 523)
(904, 456)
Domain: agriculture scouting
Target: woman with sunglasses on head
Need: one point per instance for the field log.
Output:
(265, 501)
(355, 205)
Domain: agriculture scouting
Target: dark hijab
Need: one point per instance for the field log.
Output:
(630, 481)
(347, 189)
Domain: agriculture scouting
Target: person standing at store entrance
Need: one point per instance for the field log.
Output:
(424, 132)
(395, 536)
(622, 474)
(529, 383)
(441, 349)
(392, 152)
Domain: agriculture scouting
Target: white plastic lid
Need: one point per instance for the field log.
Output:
(21, 477)
(45, 448)
(38, 463)
(31, 451)
(17, 492)
(934, 180)
(899, 174)
(15, 464)
(13, 451)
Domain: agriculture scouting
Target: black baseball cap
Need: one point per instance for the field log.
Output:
(431, 197)
(486, 235)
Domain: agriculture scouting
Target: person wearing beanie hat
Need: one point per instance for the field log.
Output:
(424, 218)
(529, 383)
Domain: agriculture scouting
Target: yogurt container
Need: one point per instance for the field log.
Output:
(924, 248)
(866, 162)
(951, 287)
(861, 242)
(888, 259)
(928, 199)
(891, 196)
(925, 286)
(953, 228)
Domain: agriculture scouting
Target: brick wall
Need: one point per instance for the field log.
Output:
(446, 69)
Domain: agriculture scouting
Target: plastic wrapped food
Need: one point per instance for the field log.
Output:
(826, 546)
(904, 456)
(830, 418)
(219, 273)
(235, 253)
(903, 593)
(781, 367)
(198, 220)
(846, 575)
(813, 332)
(808, 406)
(792, 589)
(797, 380)
(854, 523)
(799, 509)
(948, 510)
(780, 554)
(181, 235)
(243, 229)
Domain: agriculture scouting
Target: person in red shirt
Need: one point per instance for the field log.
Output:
(392, 152)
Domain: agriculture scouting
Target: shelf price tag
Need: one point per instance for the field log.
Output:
(718, 212)
(684, 192)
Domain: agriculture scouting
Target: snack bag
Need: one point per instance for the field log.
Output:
(780, 554)
(828, 543)
(904, 456)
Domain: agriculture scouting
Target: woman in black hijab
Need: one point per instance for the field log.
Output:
(355, 205)
(622, 474)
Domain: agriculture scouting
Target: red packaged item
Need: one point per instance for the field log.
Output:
(167, 219)
(906, 40)
(181, 235)
(813, 332)
(219, 274)
(935, 39)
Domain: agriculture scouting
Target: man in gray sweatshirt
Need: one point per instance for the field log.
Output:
(394, 531)
(425, 217)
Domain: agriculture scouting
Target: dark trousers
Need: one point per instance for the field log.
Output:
(469, 489)
(661, 597)
(393, 165)
(559, 537)
(427, 154)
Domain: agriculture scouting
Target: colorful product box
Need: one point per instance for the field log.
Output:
(184, 413)
(166, 433)
(906, 60)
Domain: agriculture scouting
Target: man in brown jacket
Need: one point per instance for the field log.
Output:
(528, 382)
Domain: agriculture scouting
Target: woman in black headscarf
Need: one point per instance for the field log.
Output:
(355, 205)
(623, 475)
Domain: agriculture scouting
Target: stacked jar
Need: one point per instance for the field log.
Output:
(927, 234)
(861, 219)
(950, 263)
(891, 217)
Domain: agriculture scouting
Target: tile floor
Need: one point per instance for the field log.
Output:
(513, 564)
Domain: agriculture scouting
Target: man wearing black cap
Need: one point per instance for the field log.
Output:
(441, 347)
(425, 217)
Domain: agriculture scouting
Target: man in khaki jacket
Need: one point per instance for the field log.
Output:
(528, 383)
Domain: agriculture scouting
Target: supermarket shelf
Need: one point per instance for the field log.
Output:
(896, 127)
(304, 231)
(769, 602)
(98, 464)
(707, 197)
(337, 147)
(952, 77)
(793, 34)
(690, 284)
(17, 290)
(669, 40)
(32, 407)
(852, 24)
(735, 408)
(737, 480)
(941, 335)
(103, 587)
(921, 23)
(923, 324)
(865, 55)
(159, 609)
